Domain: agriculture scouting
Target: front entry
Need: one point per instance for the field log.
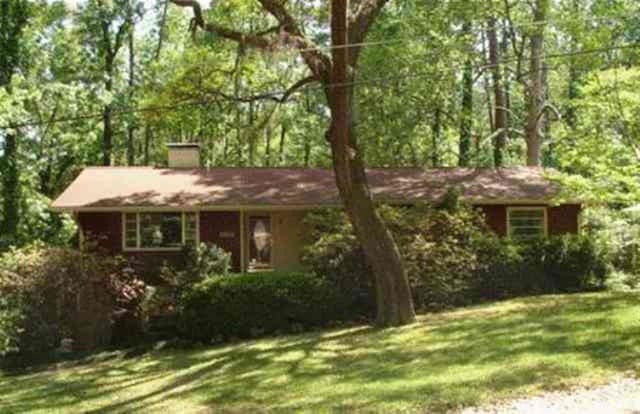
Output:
(260, 242)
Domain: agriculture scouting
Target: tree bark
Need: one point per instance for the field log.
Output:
(107, 131)
(283, 135)
(395, 304)
(536, 87)
(436, 128)
(466, 108)
(268, 133)
(131, 153)
(148, 137)
(10, 188)
(500, 120)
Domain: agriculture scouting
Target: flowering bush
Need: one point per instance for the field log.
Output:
(54, 293)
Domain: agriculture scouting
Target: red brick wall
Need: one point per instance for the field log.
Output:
(223, 229)
(496, 216)
(103, 228)
(562, 219)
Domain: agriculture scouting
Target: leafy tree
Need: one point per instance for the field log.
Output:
(14, 15)
(336, 73)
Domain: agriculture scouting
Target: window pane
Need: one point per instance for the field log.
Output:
(160, 230)
(526, 224)
(260, 241)
(191, 228)
(130, 230)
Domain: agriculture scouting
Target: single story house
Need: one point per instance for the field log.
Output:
(257, 213)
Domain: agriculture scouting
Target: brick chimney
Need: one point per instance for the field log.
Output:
(184, 155)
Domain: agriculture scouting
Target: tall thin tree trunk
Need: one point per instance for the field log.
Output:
(148, 137)
(252, 134)
(466, 110)
(107, 132)
(283, 135)
(268, 133)
(536, 87)
(10, 188)
(435, 139)
(395, 305)
(131, 152)
(500, 113)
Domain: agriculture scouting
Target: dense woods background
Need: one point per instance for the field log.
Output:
(440, 83)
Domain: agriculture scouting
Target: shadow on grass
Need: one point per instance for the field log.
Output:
(442, 362)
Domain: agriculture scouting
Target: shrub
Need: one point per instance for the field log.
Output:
(617, 235)
(54, 293)
(622, 282)
(453, 259)
(248, 305)
(569, 263)
(201, 261)
(331, 250)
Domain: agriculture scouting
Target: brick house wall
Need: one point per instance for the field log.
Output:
(562, 219)
(223, 229)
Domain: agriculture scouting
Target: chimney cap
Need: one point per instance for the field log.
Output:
(183, 145)
(184, 155)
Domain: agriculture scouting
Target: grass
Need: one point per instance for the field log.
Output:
(465, 357)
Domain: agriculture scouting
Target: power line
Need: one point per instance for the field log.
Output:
(278, 94)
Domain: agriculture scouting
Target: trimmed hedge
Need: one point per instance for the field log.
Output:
(253, 304)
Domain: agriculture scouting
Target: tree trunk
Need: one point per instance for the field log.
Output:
(131, 153)
(10, 189)
(466, 110)
(500, 105)
(268, 133)
(536, 87)
(107, 132)
(283, 135)
(148, 137)
(435, 139)
(394, 301)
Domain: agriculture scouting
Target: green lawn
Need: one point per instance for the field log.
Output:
(465, 357)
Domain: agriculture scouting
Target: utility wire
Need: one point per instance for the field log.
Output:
(278, 94)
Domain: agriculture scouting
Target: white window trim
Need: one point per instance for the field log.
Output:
(522, 208)
(183, 214)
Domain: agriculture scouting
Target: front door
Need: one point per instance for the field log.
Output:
(260, 242)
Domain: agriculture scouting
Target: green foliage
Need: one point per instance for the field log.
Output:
(207, 259)
(200, 262)
(53, 293)
(453, 259)
(330, 249)
(617, 232)
(603, 149)
(253, 304)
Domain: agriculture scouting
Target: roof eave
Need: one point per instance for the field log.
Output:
(245, 207)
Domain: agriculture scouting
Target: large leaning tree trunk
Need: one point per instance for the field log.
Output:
(336, 73)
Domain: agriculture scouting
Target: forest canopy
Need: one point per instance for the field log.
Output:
(439, 83)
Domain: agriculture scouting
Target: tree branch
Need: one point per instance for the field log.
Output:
(359, 25)
(267, 96)
(251, 39)
(290, 33)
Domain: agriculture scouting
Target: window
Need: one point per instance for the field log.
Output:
(159, 231)
(527, 222)
(260, 242)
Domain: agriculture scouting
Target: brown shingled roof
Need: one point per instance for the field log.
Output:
(116, 187)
